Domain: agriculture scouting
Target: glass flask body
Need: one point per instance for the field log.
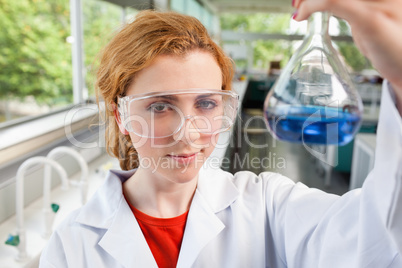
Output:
(314, 100)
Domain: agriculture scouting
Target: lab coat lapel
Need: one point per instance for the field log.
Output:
(125, 241)
(123, 238)
(201, 227)
(214, 193)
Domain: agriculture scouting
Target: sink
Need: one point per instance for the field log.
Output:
(68, 200)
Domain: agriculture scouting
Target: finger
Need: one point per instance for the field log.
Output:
(296, 3)
(359, 42)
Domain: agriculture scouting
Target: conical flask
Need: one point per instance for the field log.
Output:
(314, 100)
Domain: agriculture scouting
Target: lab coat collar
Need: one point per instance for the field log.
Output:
(123, 238)
(101, 209)
(109, 210)
(217, 188)
(202, 226)
(215, 192)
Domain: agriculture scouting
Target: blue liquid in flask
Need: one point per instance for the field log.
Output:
(313, 125)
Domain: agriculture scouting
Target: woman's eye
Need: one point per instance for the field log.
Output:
(207, 104)
(159, 107)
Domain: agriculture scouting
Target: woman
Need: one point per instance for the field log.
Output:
(167, 86)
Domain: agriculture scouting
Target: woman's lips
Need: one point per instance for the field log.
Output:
(183, 158)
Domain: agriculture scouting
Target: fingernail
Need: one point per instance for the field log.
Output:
(293, 3)
(294, 14)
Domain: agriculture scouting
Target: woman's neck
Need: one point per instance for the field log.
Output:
(156, 196)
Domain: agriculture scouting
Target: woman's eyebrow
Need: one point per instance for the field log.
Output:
(206, 95)
(176, 98)
(169, 97)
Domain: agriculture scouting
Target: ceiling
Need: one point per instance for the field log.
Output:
(221, 6)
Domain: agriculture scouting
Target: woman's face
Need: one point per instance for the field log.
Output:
(179, 157)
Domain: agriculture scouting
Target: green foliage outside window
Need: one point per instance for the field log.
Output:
(264, 51)
(35, 59)
(353, 57)
(101, 21)
(35, 56)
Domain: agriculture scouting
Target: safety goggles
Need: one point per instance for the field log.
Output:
(162, 114)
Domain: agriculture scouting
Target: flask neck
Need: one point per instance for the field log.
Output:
(318, 24)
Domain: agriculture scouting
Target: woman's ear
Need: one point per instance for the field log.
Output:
(118, 119)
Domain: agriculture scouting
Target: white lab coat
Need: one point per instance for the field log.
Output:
(245, 220)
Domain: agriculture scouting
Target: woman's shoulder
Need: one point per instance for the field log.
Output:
(266, 178)
(69, 222)
(247, 180)
(98, 211)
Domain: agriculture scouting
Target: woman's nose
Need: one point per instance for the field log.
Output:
(188, 133)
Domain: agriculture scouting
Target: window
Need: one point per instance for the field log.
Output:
(100, 22)
(35, 58)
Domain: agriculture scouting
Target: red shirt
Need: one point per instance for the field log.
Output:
(163, 235)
